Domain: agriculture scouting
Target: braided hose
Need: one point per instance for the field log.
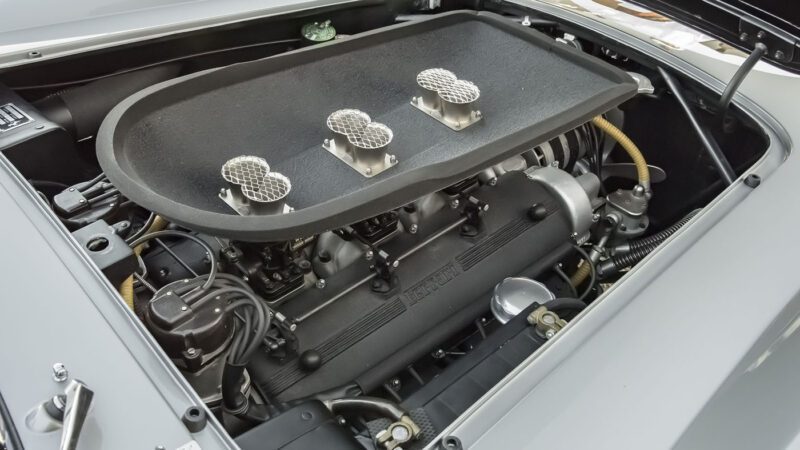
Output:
(662, 235)
(642, 171)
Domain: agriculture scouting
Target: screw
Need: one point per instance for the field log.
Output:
(368, 170)
(321, 283)
(761, 35)
(60, 373)
(439, 354)
(454, 203)
(549, 333)
(396, 263)
(368, 255)
(413, 228)
(573, 235)
(779, 55)
(191, 351)
(342, 421)
(493, 181)
(392, 159)
(395, 383)
(326, 141)
(83, 200)
(184, 308)
(223, 192)
(413, 99)
(744, 37)
(72, 189)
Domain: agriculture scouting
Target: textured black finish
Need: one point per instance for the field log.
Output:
(164, 146)
(308, 425)
(368, 337)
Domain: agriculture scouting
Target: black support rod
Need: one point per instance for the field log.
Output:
(709, 144)
(748, 64)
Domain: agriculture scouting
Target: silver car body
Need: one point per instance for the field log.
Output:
(696, 348)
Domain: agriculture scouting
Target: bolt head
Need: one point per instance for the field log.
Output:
(321, 283)
(549, 334)
(396, 263)
(392, 159)
(60, 373)
(368, 171)
(413, 228)
(72, 189)
(368, 255)
(454, 204)
(191, 351)
(184, 308)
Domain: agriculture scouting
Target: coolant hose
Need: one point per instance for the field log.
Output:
(126, 288)
(642, 171)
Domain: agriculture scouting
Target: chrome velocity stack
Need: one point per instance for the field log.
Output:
(369, 148)
(447, 99)
(243, 170)
(252, 188)
(343, 123)
(359, 142)
(459, 104)
(268, 194)
(430, 81)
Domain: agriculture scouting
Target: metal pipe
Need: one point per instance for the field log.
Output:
(709, 144)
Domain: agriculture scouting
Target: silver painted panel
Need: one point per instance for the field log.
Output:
(57, 307)
(639, 367)
(55, 28)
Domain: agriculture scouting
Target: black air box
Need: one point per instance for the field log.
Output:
(164, 146)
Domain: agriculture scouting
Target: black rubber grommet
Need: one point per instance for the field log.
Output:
(451, 443)
(194, 419)
(752, 180)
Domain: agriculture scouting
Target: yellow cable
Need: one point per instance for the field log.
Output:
(580, 275)
(642, 171)
(126, 288)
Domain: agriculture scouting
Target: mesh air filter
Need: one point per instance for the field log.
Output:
(244, 169)
(459, 92)
(435, 79)
(347, 121)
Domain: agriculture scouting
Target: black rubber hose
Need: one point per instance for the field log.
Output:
(232, 397)
(560, 305)
(642, 248)
(662, 235)
(378, 406)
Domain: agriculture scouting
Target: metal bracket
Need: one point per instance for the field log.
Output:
(781, 47)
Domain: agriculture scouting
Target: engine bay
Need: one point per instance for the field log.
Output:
(344, 239)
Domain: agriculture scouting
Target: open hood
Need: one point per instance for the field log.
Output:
(742, 23)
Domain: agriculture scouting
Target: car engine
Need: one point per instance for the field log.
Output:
(346, 243)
